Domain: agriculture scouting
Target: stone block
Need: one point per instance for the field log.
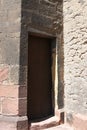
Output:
(47, 10)
(23, 75)
(42, 21)
(22, 125)
(14, 27)
(31, 5)
(14, 15)
(13, 91)
(24, 49)
(18, 75)
(9, 51)
(23, 106)
(9, 91)
(13, 4)
(22, 91)
(26, 15)
(13, 123)
(78, 121)
(10, 106)
(3, 15)
(7, 126)
(43, 125)
(3, 74)
(13, 100)
(14, 74)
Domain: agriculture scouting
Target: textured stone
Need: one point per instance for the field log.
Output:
(46, 12)
(7, 126)
(10, 106)
(75, 53)
(3, 74)
(10, 16)
(51, 122)
(23, 106)
(13, 91)
(80, 122)
(61, 127)
(13, 123)
(10, 91)
(17, 19)
(18, 75)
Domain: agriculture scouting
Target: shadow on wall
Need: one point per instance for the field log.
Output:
(60, 54)
(31, 7)
(23, 48)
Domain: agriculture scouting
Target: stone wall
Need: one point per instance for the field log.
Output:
(10, 17)
(12, 90)
(17, 19)
(42, 15)
(75, 55)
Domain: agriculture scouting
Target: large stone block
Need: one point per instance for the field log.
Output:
(77, 121)
(30, 5)
(9, 51)
(13, 100)
(10, 106)
(13, 123)
(42, 21)
(9, 91)
(18, 75)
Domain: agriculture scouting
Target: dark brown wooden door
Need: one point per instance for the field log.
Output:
(39, 78)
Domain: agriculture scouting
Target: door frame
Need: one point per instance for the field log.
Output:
(53, 68)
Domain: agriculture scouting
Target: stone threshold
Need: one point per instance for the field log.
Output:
(48, 123)
(61, 127)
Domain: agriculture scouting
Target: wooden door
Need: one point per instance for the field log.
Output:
(39, 78)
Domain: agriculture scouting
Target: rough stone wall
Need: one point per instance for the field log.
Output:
(10, 17)
(75, 55)
(42, 15)
(17, 19)
(12, 95)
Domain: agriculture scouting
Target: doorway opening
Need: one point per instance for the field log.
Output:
(40, 78)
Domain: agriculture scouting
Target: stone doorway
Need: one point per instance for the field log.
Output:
(40, 95)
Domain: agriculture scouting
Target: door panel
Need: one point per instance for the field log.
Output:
(39, 78)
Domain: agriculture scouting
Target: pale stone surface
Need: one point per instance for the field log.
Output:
(10, 29)
(47, 123)
(75, 55)
(61, 127)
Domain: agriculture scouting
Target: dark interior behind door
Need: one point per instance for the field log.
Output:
(39, 78)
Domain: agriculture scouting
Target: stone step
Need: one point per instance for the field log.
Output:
(60, 127)
(48, 123)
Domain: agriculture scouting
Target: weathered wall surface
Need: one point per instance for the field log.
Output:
(42, 15)
(12, 96)
(17, 19)
(75, 55)
(10, 17)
